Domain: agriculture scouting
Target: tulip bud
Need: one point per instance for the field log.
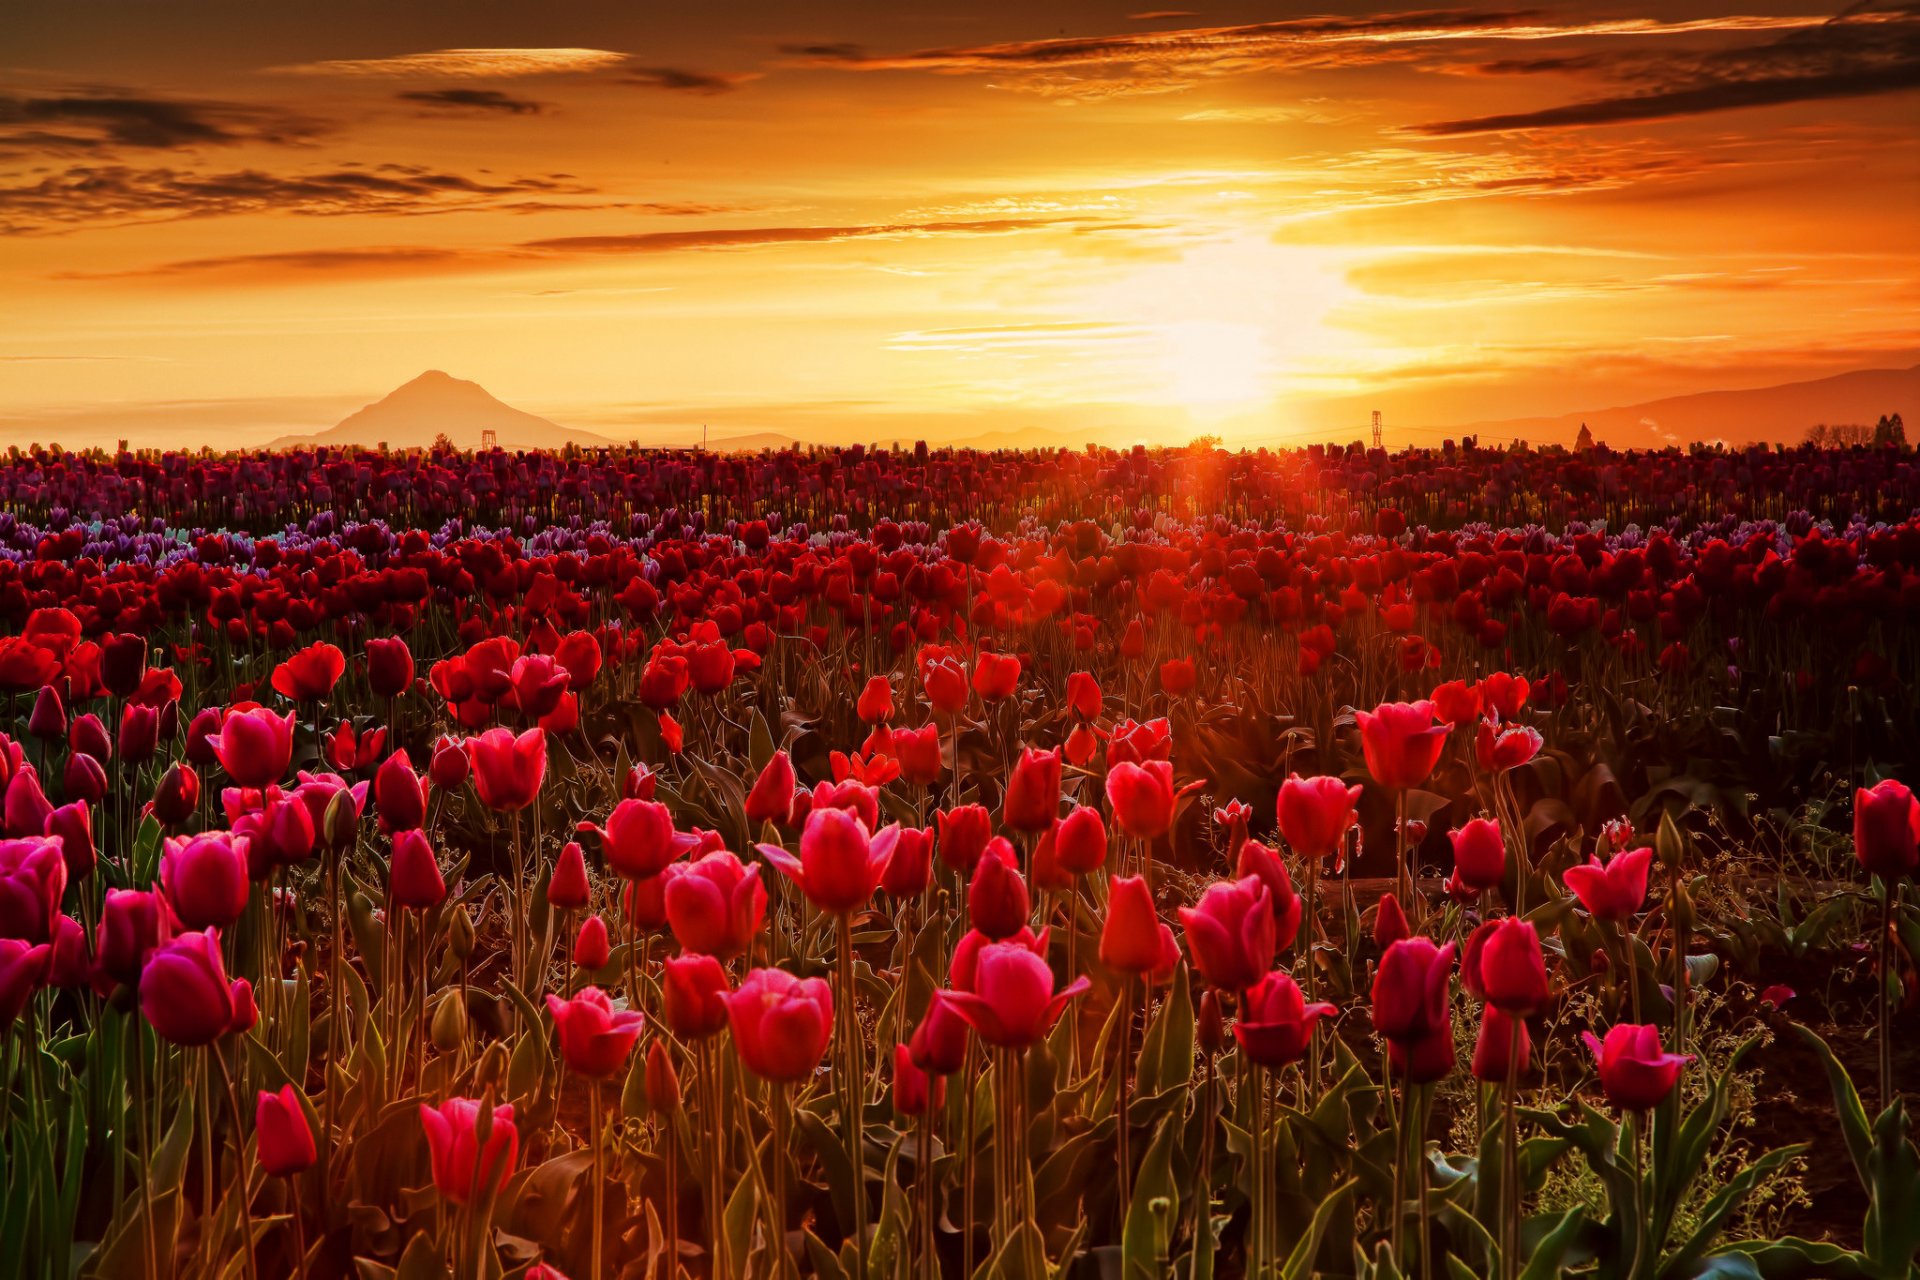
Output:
(48, 722)
(84, 778)
(450, 1022)
(1389, 922)
(1211, 1028)
(663, 1082)
(460, 934)
(490, 1075)
(591, 950)
(568, 888)
(341, 826)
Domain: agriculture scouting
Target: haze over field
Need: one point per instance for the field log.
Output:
(982, 223)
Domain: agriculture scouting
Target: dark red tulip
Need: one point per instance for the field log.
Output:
(915, 1093)
(909, 869)
(132, 925)
(450, 765)
(997, 901)
(1479, 854)
(1133, 939)
(839, 864)
(1389, 922)
(1410, 990)
(964, 832)
(875, 704)
(1886, 830)
(73, 824)
(1496, 749)
(663, 1085)
(254, 745)
(23, 969)
(1083, 695)
(33, 879)
(1080, 841)
(638, 841)
(1315, 814)
(1012, 1003)
(1255, 859)
(284, 1137)
(84, 778)
(1142, 797)
(399, 794)
(918, 751)
(1276, 1022)
(772, 796)
(205, 878)
(177, 796)
(508, 769)
(48, 720)
(592, 949)
(1512, 971)
(389, 666)
(1493, 1048)
(185, 994)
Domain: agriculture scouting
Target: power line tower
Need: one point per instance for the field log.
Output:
(1376, 428)
(489, 438)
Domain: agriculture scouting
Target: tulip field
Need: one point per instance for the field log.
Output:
(890, 865)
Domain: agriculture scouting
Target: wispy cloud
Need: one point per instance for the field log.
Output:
(463, 64)
(1858, 54)
(1155, 61)
(685, 80)
(120, 194)
(483, 101)
(405, 260)
(85, 122)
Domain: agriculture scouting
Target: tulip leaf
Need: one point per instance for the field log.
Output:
(742, 1209)
(1714, 1216)
(831, 1151)
(1166, 1055)
(1545, 1262)
(1792, 1258)
(1154, 1210)
(1299, 1264)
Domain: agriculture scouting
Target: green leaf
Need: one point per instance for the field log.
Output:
(1299, 1265)
(1796, 1259)
(1148, 1233)
(1166, 1055)
(1544, 1262)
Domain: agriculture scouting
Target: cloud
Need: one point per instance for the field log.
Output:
(1159, 61)
(684, 80)
(407, 260)
(81, 122)
(486, 101)
(461, 64)
(122, 194)
(1858, 54)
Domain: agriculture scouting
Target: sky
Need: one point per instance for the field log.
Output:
(222, 222)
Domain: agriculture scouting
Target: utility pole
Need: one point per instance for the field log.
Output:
(1376, 428)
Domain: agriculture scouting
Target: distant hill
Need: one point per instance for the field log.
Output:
(434, 404)
(1781, 413)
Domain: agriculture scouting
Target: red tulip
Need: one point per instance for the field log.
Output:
(48, 719)
(1315, 813)
(72, 967)
(645, 902)
(1512, 972)
(715, 905)
(1456, 702)
(1479, 854)
(909, 869)
(694, 996)
(413, 877)
(1615, 889)
(568, 888)
(1083, 695)
(1138, 743)
(1142, 797)
(1636, 1074)
(450, 766)
(281, 1131)
(1255, 859)
(1177, 676)
(1401, 742)
(1886, 829)
(139, 733)
(310, 674)
(389, 666)
(1033, 791)
(23, 968)
(205, 878)
(1389, 922)
(995, 676)
(997, 901)
(464, 1169)
(399, 794)
(1493, 1048)
(1134, 940)
(185, 994)
(591, 948)
(1276, 1023)
(1012, 1003)
(939, 1043)
(964, 832)
(83, 778)
(132, 926)
(254, 746)
(1230, 932)
(875, 704)
(1080, 841)
(1504, 695)
(914, 1092)
(177, 796)
(1497, 750)
(1410, 998)
(781, 1024)
(663, 1085)
(33, 879)
(945, 681)
(508, 770)
(839, 864)
(1423, 1060)
(918, 751)
(123, 662)
(639, 840)
(89, 737)
(595, 1038)
(579, 654)
(72, 824)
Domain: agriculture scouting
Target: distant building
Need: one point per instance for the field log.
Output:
(1584, 442)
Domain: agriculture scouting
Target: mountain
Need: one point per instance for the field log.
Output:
(436, 403)
(1781, 413)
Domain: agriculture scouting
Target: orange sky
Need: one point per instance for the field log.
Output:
(229, 221)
